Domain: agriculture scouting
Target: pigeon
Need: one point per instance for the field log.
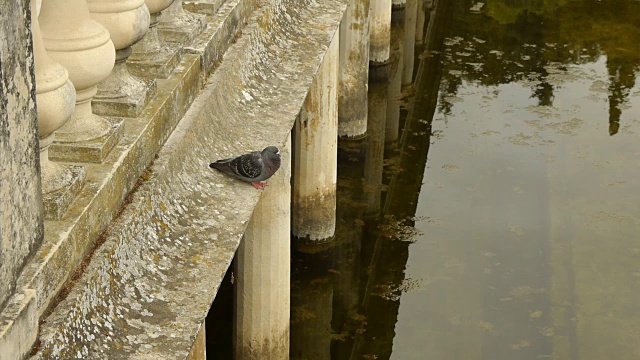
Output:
(254, 167)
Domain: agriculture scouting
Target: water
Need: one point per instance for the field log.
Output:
(506, 221)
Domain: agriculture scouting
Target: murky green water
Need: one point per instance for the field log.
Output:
(507, 221)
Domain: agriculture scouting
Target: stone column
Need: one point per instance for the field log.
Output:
(152, 58)
(56, 100)
(262, 308)
(395, 78)
(177, 25)
(410, 14)
(199, 348)
(376, 124)
(312, 305)
(398, 4)
(84, 48)
(420, 20)
(380, 28)
(127, 21)
(354, 70)
(316, 154)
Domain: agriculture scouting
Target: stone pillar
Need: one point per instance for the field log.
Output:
(398, 4)
(379, 29)
(395, 78)
(410, 14)
(177, 25)
(316, 154)
(56, 100)
(262, 308)
(421, 20)
(354, 70)
(127, 21)
(376, 124)
(21, 212)
(84, 48)
(199, 349)
(152, 58)
(312, 305)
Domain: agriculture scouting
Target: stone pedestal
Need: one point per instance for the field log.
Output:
(316, 153)
(177, 25)
(121, 94)
(263, 271)
(151, 58)
(206, 7)
(85, 49)
(380, 31)
(410, 15)
(354, 70)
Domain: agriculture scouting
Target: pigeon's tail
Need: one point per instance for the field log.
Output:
(222, 165)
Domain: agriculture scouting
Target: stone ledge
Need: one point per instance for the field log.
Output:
(148, 288)
(18, 325)
(207, 7)
(212, 43)
(67, 241)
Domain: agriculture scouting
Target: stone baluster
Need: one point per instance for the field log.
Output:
(152, 58)
(354, 70)
(127, 21)
(380, 31)
(56, 99)
(316, 154)
(84, 48)
(178, 25)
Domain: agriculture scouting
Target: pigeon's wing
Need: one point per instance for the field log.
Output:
(248, 166)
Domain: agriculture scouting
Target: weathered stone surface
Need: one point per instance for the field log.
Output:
(18, 325)
(21, 211)
(148, 288)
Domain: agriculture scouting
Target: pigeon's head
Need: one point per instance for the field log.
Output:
(272, 156)
(271, 150)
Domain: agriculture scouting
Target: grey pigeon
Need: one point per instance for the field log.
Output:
(254, 167)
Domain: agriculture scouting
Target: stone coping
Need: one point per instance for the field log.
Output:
(67, 241)
(148, 288)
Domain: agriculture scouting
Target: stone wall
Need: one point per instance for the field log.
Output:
(21, 214)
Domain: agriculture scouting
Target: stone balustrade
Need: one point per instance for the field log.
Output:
(114, 79)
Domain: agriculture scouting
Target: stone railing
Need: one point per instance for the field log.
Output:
(113, 78)
(138, 231)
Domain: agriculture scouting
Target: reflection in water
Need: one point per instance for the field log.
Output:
(518, 238)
